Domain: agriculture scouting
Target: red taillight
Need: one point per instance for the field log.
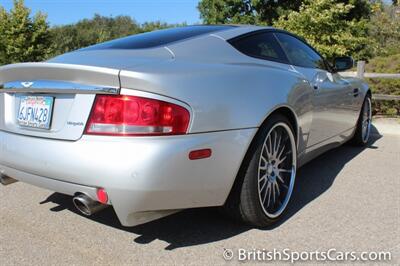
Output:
(136, 116)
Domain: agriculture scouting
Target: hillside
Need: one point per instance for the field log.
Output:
(390, 64)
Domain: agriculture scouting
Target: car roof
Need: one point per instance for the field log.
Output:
(159, 38)
(176, 34)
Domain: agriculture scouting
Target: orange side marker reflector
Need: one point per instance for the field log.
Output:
(200, 154)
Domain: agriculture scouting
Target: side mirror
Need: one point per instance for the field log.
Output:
(343, 63)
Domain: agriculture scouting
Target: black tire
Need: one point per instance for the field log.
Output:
(359, 139)
(244, 202)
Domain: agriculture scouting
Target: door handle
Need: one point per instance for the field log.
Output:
(355, 92)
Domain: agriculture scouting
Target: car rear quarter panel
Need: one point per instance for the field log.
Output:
(239, 92)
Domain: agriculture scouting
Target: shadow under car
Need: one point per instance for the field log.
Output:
(204, 225)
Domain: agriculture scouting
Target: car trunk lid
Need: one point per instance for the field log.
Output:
(69, 83)
(68, 89)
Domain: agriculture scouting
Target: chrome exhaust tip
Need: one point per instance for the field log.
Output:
(86, 205)
(6, 180)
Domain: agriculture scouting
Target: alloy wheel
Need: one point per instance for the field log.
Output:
(277, 170)
(366, 120)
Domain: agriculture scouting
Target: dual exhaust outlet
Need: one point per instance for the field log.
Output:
(86, 205)
(83, 203)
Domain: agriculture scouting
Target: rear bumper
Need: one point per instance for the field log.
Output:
(145, 177)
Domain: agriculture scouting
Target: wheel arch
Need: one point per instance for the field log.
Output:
(369, 93)
(284, 110)
(289, 113)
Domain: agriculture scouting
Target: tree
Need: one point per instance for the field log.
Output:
(323, 24)
(87, 32)
(23, 38)
(91, 31)
(157, 25)
(361, 9)
(3, 26)
(384, 30)
(244, 11)
(265, 12)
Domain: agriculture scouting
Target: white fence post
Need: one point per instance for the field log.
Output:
(360, 69)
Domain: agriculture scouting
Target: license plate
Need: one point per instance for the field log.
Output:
(35, 111)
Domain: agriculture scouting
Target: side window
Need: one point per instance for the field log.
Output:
(299, 53)
(262, 45)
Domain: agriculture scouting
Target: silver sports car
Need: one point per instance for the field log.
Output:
(180, 118)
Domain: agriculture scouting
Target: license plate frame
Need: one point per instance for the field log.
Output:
(35, 111)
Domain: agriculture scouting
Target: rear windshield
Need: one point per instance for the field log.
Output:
(157, 38)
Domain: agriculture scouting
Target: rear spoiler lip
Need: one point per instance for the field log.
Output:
(58, 78)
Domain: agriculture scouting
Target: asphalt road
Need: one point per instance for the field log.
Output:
(347, 200)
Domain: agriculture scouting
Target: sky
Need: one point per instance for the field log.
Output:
(61, 12)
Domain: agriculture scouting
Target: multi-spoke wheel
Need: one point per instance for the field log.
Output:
(366, 120)
(363, 128)
(276, 170)
(266, 179)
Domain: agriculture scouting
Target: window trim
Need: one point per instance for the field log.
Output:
(308, 45)
(259, 32)
(273, 31)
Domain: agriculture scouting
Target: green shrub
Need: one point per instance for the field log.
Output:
(392, 111)
(390, 108)
(384, 64)
(387, 64)
(384, 86)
